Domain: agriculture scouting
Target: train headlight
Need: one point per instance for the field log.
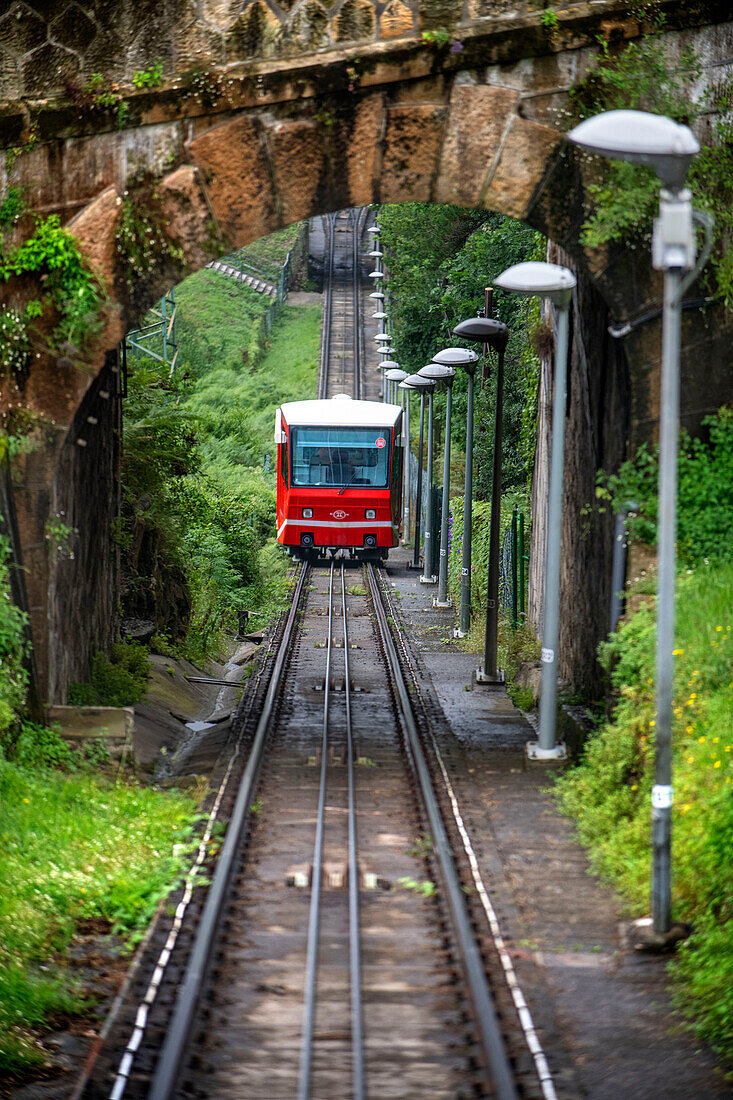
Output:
(370, 513)
(307, 513)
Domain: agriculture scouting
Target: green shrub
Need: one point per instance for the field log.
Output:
(705, 509)
(116, 682)
(13, 679)
(609, 793)
(41, 747)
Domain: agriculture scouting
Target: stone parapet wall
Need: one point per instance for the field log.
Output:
(51, 49)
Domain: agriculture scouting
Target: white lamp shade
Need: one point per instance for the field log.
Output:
(455, 357)
(642, 138)
(537, 278)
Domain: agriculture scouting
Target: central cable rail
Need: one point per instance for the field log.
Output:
(311, 968)
(488, 1029)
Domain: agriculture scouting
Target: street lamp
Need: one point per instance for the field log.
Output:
(427, 576)
(406, 507)
(556, 284)
(668, 148)
(423, 386)
(445, 375)
(393, 376)
(494, 334)
(463, 357)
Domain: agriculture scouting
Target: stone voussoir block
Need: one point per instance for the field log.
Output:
(527, 153)
(479, 116)
(363, 150)
(298, 157)
(186, 212)
(232, 159)
(413, 138)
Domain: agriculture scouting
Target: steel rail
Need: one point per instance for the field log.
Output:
(487, 1023)
(311, 964)
(177, 1035)
(357, 1024)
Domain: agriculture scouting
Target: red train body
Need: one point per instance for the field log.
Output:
(339, 476)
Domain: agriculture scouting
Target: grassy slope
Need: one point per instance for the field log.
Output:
(274, 249)
(73, 846)
(609, 793)
(235, 398)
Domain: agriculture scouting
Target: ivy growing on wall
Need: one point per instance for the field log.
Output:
(645, 75)
(72, 295)
(142, 243)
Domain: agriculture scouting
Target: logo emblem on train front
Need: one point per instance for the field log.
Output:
(339, 514)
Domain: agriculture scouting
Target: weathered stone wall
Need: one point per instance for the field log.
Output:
(46, 48)
(83, 566)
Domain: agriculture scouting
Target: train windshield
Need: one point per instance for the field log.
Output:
(340, 456)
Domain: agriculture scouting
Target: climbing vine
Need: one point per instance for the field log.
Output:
(72, 293)
(141, 240)
(645, 76)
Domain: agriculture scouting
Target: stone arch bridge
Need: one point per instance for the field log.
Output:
(221, 120)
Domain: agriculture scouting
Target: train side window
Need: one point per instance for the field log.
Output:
(284, 462)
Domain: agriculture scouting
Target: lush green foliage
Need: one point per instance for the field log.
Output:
(645, 75)
(609, 793)
(705, 512)
(194, 447)
(149, 78)
(116, 682)
(72, 847)
(13, 680)
(440, 258)
(273, 250)
(51, 254)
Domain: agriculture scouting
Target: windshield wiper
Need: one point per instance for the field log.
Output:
(345, 487)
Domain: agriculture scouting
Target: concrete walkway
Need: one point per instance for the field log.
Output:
(603, 1012)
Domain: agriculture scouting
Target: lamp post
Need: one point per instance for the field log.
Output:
(494, 334)
(463, 357)
(423, 386)
(556, 284)
(407, 505)
(668, 148)
(444, 375)
(426, 576)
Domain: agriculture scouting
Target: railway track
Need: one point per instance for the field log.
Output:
(341, 948)
(345, 944)
(342, 341)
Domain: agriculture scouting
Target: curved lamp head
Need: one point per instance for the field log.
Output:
(395, 374)
(383, 337)
(419, 383)
(484, 329)
(389, 364)
(457, 357)
(375, 253)
(373, 229)
(380, 315)
(437, 372)
(642, 138)
(376, 274)
(536, 278)
(378, 294)
(405, 385)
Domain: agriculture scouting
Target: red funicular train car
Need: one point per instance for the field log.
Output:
(339, 476)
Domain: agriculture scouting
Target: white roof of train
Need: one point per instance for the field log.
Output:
(340, 412)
